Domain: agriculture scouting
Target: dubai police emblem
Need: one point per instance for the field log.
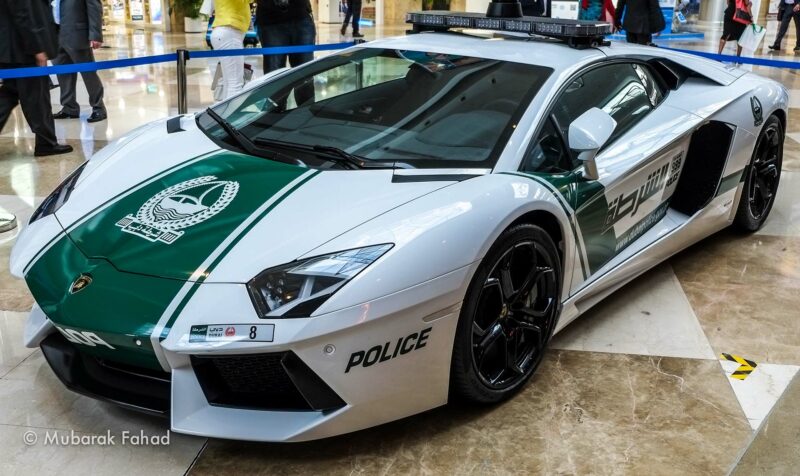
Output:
(165, 215)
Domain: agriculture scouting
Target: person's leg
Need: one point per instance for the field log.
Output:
(348, 15)
(9, 98)
(91, 80)
(66, 82)
(356, 16)
(796, 18)
(785, 19)
(278, 34)
(34, 97)
(722, 42)
(227, 38)
(304, 33)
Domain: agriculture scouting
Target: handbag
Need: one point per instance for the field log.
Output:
(752, 37)
(742, 15)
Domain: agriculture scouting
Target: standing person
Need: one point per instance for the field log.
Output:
(231, 22)
(285, 23)
(642, 19)
(732, 30)
(788, 10)
(80, 32)
(354, 12)
(27, 36)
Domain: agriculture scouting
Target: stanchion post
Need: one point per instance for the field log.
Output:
(183, 101)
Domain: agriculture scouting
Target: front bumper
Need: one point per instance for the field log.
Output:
(305, 385)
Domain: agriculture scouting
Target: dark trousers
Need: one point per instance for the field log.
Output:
(293, 33)
(354, 12)
(33, 94)
(67, 82)
(787, 14)
(639, 38)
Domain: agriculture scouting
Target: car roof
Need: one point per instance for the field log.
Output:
(536, 51)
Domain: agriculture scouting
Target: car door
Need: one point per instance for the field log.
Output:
(639, 164)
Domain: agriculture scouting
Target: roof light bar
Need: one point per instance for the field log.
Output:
(576, 33)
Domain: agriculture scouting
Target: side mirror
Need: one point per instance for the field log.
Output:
(587, 134)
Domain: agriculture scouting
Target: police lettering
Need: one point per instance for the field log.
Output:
(84, 338)
(389, 350)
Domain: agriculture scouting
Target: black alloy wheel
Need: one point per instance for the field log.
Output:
(508, 316)
(762, 177)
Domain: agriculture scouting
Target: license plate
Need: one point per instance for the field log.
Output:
(232, 333)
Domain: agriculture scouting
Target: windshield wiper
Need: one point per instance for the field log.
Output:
(241, 140)
(342, 156)
(246, 144)
(335, 154)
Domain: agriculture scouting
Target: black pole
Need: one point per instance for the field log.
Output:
(183, 102)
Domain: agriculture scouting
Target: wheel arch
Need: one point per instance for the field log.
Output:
(549, 223)
(781, 115)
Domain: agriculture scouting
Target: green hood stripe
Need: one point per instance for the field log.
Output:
(124, 308)
(111, 200)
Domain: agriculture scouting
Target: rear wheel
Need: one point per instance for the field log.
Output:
(508, 316)
(762, 177)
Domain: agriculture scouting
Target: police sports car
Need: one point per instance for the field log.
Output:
(402, 223)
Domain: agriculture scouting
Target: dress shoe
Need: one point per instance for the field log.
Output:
(775, 47)
(343, 31)
(52, 150)
(358, 35)
(65, 115)
(97, 117)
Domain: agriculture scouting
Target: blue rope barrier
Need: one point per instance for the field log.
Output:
(273, 50)
(83, 67)
(742, 59)
(165, 58)
(198, 54)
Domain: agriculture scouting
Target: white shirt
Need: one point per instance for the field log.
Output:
(57, 11)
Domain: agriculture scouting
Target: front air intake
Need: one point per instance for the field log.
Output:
(273, 381)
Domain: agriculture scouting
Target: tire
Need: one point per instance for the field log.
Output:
(508, 316)
(762, 177)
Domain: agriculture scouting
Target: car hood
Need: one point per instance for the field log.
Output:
(184, 221)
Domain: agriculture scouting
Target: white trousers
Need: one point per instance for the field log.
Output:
(229, 38)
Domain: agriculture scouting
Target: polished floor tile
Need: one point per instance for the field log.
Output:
(774, 449)
(759, 391)
(12, 351)
(584, 413)
(650, 316)
(745, 291)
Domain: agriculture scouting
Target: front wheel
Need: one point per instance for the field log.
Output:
(762, 177)
(508, 316)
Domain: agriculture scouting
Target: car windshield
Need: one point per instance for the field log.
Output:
(425, 110)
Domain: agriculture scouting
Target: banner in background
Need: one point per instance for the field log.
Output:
(137, 9)
(156, 12)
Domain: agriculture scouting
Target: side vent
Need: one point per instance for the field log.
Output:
(702, 172)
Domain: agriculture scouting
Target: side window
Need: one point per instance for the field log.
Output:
(548, 154)
(625, 91)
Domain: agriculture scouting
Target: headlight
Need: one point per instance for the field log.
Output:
(298, 288)
(53, 202)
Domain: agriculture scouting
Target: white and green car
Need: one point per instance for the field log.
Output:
(387, 228)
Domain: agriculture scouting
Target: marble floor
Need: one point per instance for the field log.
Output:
(636, 386)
